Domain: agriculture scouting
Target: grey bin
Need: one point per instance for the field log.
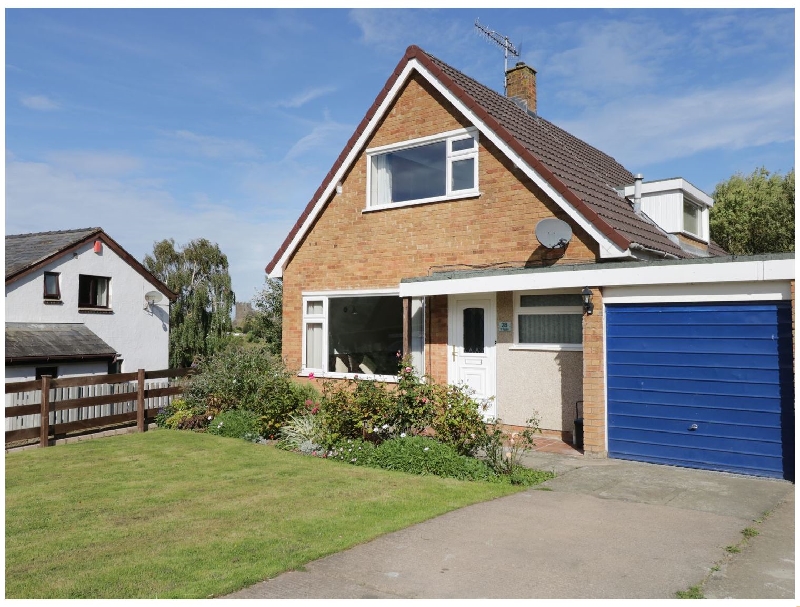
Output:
(577, 436)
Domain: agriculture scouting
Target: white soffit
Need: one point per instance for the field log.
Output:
(608, 249)
(593, 276)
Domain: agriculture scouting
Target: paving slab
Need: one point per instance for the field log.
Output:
(602, 529)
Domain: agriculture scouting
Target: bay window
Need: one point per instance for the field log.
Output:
(346, 335)
(423, 170)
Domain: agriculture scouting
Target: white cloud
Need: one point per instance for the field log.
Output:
(306, 96)
(39, 102)
(647, 129)
(211, 147)
(41, 196)
(321, 137)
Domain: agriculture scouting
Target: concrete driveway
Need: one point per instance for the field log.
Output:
(600, 529)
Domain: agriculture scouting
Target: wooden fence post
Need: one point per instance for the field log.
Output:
(44, 425)
(140, 402)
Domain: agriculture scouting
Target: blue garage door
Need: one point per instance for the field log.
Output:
(703, 386)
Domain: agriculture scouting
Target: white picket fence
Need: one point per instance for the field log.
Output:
(21, 422)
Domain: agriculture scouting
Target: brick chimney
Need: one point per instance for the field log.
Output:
(521, 84)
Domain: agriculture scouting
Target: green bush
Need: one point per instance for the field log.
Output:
(504, 449)
(235, 424)
(421, 455)
(248, 379)
(359, 408)
(354, 451)
(181, 414)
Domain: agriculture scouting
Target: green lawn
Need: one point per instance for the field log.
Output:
(179, 514)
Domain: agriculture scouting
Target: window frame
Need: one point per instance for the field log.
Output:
(325, 297)
(57, 296)
(88, 306)
(702, 219)
(450, 157)
(520, 310)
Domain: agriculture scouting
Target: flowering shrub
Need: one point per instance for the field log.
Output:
(235, 424)
(504, 449)
(350, 451)
(458, 418)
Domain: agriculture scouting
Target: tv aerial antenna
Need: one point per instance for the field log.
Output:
(504, 43)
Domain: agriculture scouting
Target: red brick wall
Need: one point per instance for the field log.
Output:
(594, 389)
(349, 249)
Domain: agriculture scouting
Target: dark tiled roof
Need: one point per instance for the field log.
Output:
(586, 171)
(26, 250)
(584, 175)
(26, 340)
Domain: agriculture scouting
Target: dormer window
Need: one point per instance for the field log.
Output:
(423, 170)
(691, 219)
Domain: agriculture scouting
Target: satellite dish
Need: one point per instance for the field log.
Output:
(152, 297)
(553, 233)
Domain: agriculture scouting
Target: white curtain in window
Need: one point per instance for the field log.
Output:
(314, 346)
(382, 180)
(102, 292)
(418, 334)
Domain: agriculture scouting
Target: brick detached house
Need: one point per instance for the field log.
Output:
(496, 249)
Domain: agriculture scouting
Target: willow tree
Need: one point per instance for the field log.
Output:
(200, 318)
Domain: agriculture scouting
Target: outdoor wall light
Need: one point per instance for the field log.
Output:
(588, 306)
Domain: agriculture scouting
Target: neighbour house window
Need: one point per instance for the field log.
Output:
(549, 322)
(93, 291)
(424, 170)
(359, 334)
(52, 289)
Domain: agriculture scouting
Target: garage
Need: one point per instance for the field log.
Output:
(702, 385)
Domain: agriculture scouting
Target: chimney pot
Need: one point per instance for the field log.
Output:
(521, 83)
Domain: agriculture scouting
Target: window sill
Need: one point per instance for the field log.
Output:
(52, 302)
(95, 311)
(389, 379)
(414, 203)
(548, 347)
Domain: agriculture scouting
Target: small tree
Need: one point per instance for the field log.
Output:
(267, 322)
(754, 214)
(200, 318)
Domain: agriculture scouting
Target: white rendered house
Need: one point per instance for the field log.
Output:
(78, 304)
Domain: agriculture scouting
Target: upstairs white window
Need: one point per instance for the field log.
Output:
(424, 170)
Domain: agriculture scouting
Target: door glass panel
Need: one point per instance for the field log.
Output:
(473, 331)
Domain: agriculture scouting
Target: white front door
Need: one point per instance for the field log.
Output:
(472, 338)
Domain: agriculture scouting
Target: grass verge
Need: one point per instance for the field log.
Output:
(169, 514)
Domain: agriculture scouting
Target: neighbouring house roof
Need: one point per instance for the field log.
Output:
(30, 341)
(582, 174)
(25, 253)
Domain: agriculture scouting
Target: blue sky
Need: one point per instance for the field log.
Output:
(221, 124)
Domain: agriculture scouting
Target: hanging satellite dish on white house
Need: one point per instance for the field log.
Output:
(553, 233)
(152, 298)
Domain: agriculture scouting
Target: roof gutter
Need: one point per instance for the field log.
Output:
(637, 247)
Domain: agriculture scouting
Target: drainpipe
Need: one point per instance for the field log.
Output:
(637, 193)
